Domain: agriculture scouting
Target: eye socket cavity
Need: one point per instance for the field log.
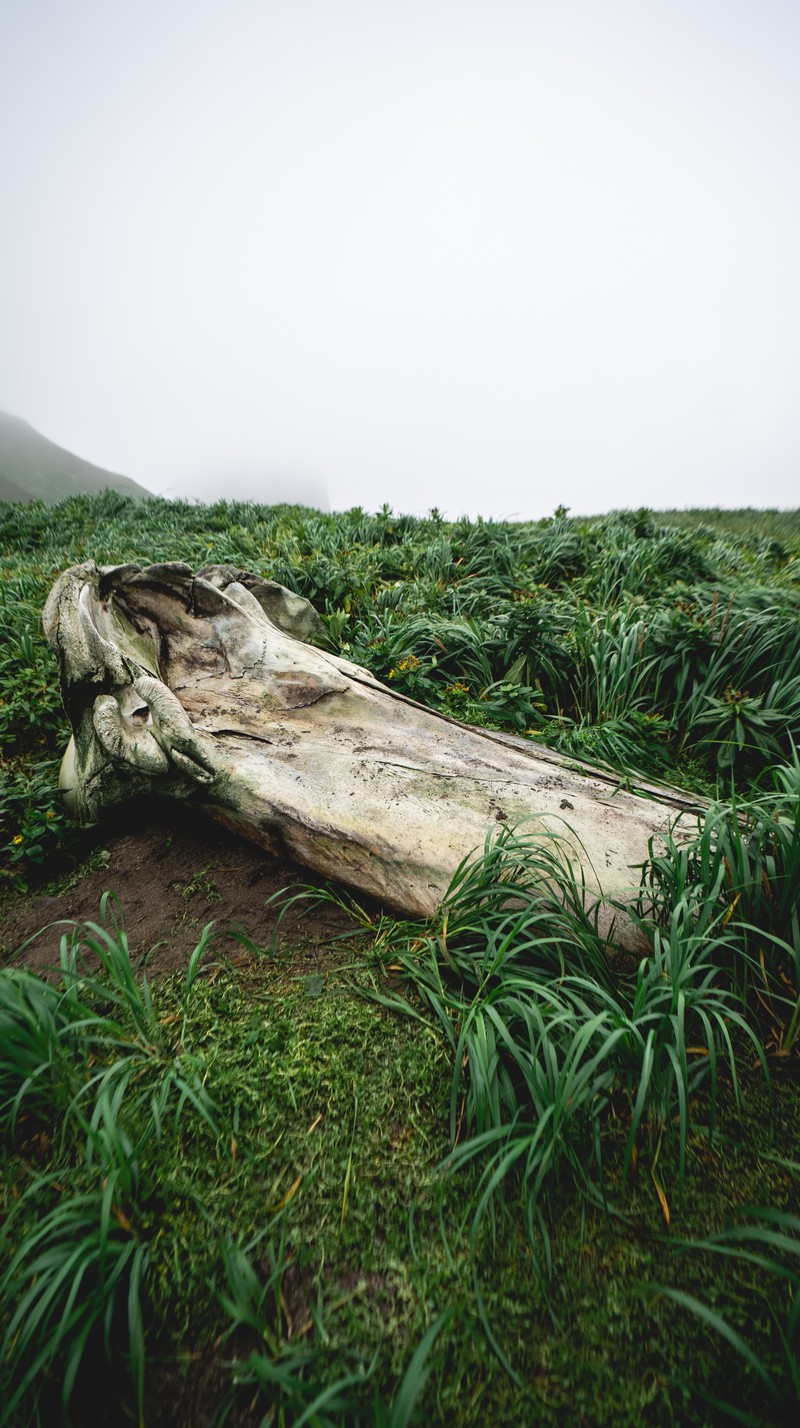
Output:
(124, 740)
(134, 709)
(144, 725)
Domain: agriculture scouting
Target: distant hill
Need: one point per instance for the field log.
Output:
(35, 469)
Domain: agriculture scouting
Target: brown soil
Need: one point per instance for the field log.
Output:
(174, 870)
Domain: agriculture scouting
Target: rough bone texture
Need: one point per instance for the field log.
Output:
(205, 687)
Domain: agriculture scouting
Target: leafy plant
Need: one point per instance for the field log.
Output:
(33, 826)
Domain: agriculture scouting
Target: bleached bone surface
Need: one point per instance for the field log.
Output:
(205, 687)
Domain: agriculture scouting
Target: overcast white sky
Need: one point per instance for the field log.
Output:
(493, 256)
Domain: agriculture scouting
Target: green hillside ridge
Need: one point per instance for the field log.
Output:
(35, 469)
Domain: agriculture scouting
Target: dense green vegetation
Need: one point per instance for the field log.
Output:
(481, 1150)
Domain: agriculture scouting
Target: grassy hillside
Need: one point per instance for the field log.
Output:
(35, 469)
(473, 1171)
(747, 522)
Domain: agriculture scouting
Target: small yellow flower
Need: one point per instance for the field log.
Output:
(49, 813)
(18, 838)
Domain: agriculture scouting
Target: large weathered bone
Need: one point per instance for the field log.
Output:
(205, 687)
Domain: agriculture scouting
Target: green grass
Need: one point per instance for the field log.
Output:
(272, 1153)
(474, 1171)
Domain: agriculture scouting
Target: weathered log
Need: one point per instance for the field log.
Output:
(206, 687)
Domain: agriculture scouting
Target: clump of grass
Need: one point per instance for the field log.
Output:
(743, 867)
(86, 1058)
(549, 1042)
(96, 1031)
(290, 1376)
(296, 1379)
(74, 1276)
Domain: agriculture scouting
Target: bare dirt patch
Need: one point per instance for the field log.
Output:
(173, 870)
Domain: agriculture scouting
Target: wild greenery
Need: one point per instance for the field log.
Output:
(481, 1170)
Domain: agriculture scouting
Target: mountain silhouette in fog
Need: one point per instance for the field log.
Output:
(35, 469)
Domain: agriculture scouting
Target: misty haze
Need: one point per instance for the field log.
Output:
(492, 259)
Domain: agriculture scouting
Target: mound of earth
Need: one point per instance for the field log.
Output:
(174, 871)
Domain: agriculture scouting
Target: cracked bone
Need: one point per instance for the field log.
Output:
(206, 687)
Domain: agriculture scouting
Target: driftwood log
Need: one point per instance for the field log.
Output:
(207, 686)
